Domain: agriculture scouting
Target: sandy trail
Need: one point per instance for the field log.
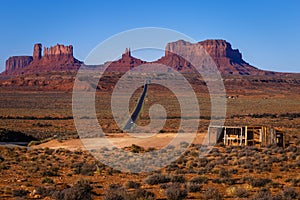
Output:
(157, 141)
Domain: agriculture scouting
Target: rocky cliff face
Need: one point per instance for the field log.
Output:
(56, 58)
(15, 63)
(229, 61)
(58, 50)
(220, 50)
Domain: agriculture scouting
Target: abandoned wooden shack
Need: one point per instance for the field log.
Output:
(247, 136)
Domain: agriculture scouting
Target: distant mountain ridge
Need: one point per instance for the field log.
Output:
(60, 58)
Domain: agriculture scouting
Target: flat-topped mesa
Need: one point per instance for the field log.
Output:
(16, 63)
(220, 49)
(58, 50)
(228, 61)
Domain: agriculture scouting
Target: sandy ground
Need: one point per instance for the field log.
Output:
(116, 140)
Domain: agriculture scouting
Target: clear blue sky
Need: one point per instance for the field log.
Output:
(267, 32)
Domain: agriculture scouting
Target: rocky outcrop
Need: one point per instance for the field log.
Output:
(60, 58)
(58, 50)
(37, 52)
(15, 63)
(125, 63)
(56, 58)
(228, 61)
(220, 50)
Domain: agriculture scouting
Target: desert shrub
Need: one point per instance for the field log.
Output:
(114, 186)
(296, 182)
(212, 193)
(201, 171)
(88, 169)
(229, 181)
(233, 171)
(262, 194)
(132, 184)
(293, 149)
(140, 194)
(217, 180)
(81, 190)
(172, 167)
(52, 171)
(260, 182)
(117, 192)
(210, 166)
(163, 186)
(136, 149)
(199, 179)
(240, 193)
(178, 179)
(184, 144)
(174, 192)
(44, 192)
(47, 180)
(223, 173)
(194, 187)
(84, 169)
(289, 194)
(19, 193)
(275, 185)
(114, 195)
(203, 162)
(49, 151)
(153, 149)
(4, 166)
(157, 179)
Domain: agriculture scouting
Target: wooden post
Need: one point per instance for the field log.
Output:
(266, 138)
(225, 136)
(208, 135)
(241, 137)
(246, 136)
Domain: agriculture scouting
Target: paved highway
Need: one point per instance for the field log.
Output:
(130, 123)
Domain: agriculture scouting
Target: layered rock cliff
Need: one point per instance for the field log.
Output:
(56, 58)
(229, 61)
(16, 63)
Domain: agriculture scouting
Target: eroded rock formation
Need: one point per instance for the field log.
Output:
(56, 58)
(125, 63)
(229, 61)
(58, 50)
(60, 58)
(37, 52)
(15, 63)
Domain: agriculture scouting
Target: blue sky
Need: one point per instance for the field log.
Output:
(267, 32)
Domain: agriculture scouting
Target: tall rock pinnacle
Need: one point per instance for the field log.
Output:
(37, 52)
